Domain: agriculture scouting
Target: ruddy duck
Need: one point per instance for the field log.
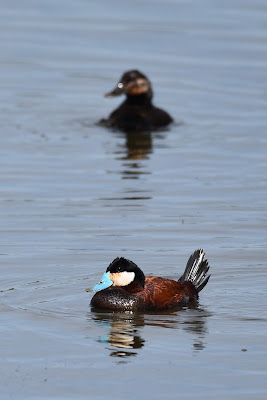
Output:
(124, 286)
(136, 113)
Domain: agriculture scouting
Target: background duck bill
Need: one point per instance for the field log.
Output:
(115, 92)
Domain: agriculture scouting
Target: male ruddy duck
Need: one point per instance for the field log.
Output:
(124, 286)
(136, 113)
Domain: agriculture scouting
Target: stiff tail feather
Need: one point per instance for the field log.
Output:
(196, 270)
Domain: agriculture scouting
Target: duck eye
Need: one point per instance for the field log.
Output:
(120, 85)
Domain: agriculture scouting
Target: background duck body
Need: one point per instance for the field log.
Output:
(150, 293)
(138, 118)
(136, 113)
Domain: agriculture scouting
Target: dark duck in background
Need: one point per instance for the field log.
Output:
(136, 113)
(124, 286)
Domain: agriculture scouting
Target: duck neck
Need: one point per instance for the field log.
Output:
(134, 287)
(143, 99)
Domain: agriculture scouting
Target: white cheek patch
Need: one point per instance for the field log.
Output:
(122, 278)
(141, 82)
(141, 86)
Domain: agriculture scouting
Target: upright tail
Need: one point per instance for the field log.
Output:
(196, 270)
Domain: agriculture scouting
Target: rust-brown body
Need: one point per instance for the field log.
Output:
(160, 293)
(157, 294)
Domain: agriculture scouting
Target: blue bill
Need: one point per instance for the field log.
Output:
(104, 283)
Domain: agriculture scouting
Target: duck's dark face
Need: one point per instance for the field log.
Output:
(121, 272)
(132, 83)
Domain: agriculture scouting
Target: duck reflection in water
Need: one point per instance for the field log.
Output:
(124, 332)
(136, 147)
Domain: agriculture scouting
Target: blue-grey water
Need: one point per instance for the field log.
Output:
(75, 195)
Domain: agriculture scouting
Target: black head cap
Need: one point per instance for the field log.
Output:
(132, 75)
(121, 264)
